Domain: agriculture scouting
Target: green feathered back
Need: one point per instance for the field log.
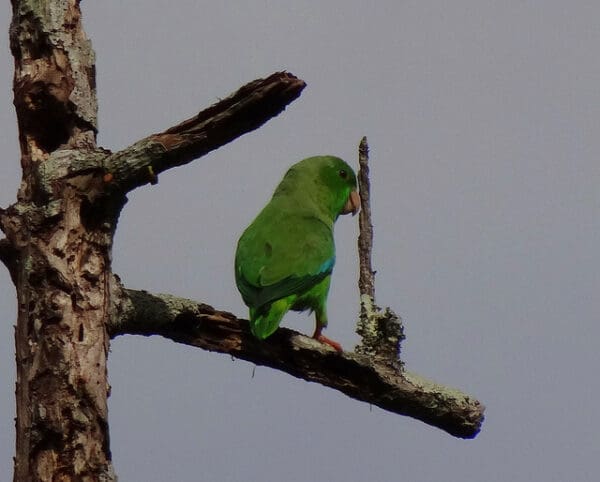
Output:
(284, 259)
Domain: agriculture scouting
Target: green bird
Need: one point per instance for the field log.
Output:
(285, 258)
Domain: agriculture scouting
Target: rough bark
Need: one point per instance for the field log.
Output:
(381, 331)
(358, 376)
(366, 278)
(243, 111)
(59, 256)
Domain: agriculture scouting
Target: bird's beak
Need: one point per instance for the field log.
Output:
(352, 204)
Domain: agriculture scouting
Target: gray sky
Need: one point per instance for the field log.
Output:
(483, 120)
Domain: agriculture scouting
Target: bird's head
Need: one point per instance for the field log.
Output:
(326, 182)
(340, 180)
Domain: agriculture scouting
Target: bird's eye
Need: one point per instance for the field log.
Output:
(343, 174)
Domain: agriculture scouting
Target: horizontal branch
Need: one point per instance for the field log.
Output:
(197, 324)
(243, 111)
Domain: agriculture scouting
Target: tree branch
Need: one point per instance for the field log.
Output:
(366, 280)
(381, 331)
(243, 111)
(197, 324)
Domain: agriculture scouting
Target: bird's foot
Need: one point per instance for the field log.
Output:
(328, 341)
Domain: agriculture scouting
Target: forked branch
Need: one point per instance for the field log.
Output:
(197, 324)
(382, 332)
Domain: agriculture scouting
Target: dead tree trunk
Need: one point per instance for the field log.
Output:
(60, 260)
(58, 242)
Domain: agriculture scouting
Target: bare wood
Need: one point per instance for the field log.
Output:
(366, 280)
(198, 324)
(381, 331)
(243, 111)
(56, 257)
(101, 174)
(54, 81)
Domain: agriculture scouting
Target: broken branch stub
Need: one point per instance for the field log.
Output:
(381, 331)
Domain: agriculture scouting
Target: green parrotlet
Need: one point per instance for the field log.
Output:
(285, 258)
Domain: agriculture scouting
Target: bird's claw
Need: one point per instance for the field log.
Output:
(328, 341)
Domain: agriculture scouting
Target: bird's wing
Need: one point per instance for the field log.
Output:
(287, 255)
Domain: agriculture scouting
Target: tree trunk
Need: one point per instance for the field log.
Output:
(62, 344)
(60, 259)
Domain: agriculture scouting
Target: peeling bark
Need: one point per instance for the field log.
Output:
(57, 260)
(54, 81)
(62, 345)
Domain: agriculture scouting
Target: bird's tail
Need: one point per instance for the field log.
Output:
(265, 320)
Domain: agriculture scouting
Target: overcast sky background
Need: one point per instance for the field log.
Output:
(483, 120)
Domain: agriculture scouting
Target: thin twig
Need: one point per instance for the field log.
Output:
(366, 280)
(381, 331)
